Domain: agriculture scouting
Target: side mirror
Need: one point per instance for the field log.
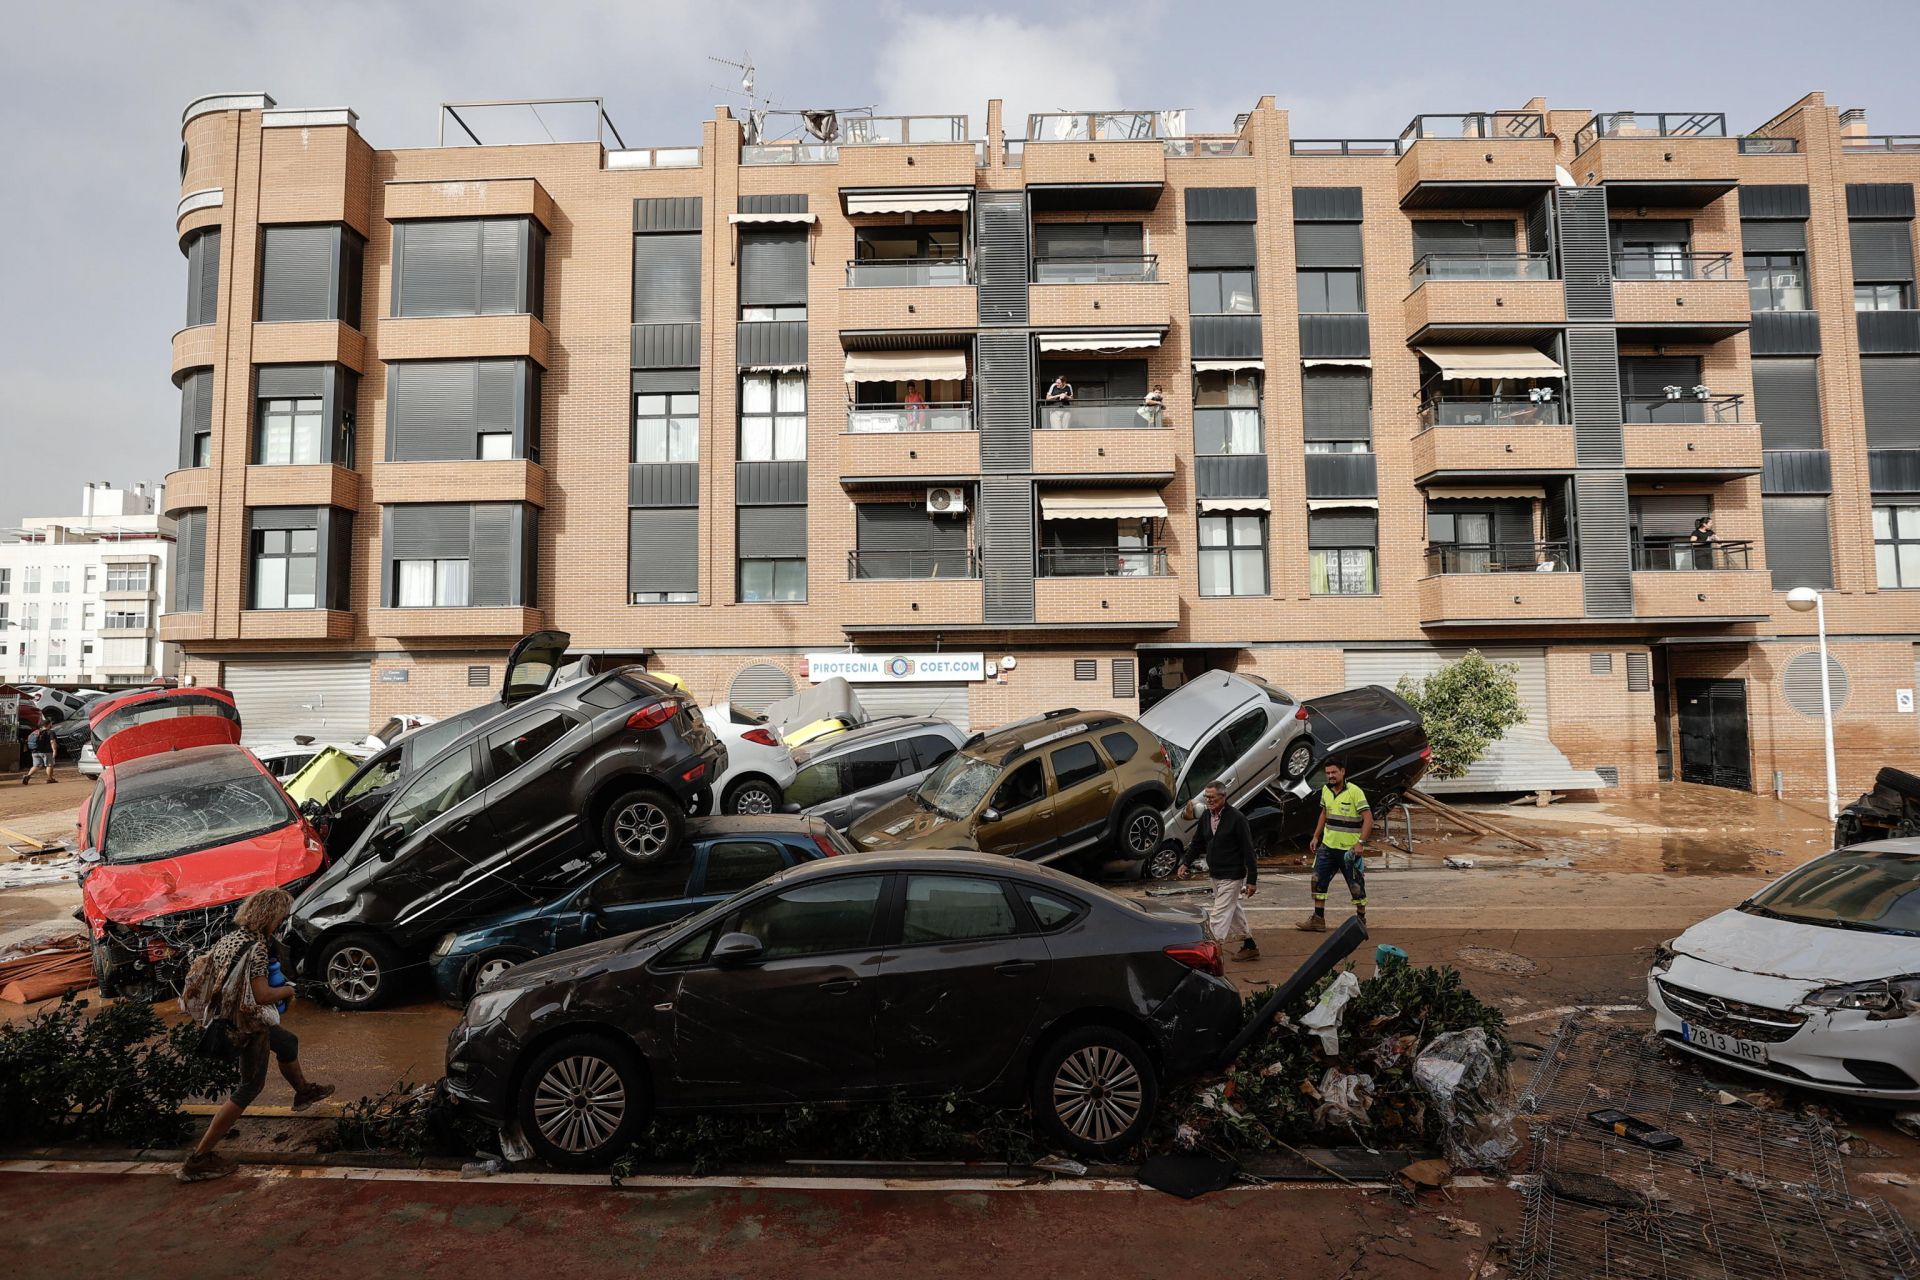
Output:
(385, 842)
(735, 950)
(989, 815)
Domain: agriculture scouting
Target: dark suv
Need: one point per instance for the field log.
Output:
(518, 807)
(847, 776)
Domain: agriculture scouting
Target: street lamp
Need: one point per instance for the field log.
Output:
(1801, 600)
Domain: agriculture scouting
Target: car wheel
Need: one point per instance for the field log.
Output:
(1164, 863)
(1094, 1092)
(1141, 831)
(491, 966)
(581, 1102)
(752, 796)
(105, 976)
(1297, 762)
(642, 826)
(357, 970)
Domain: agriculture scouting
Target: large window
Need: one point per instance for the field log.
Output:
(286, 568)
(666, 428)
(1233, 555)
(120, 577)
(1226, 412)
(1897, 296)
(424, 583)
(30, 579)
(1777, 281)
(62, 578)
(773, 417)
(125, 619)
(1222, 292)
(1341, 571)
(765, 579)
(1325, 290)
(57, 616)
(290, 432)
(6, 581)
(1896, 545)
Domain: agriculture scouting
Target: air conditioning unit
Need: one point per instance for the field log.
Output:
(947, 502)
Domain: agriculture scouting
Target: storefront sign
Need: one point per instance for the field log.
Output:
(394, 675)
(896, 668)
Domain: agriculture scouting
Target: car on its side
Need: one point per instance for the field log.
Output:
(1889, 811)
(511, 811)
(849, 775)
(720, 857)
(1814, 981)
(855, 980)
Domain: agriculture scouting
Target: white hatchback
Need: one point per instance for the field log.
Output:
(1814, 981)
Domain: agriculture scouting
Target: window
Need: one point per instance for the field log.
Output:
(843, 774)
(1021, 788)
(1777, 281)
(120, 577)
(30, 617)
(90, 579)
(1233, 555)
(89, 615)
(468, 267)
(813, 919)
(1339, 446)
(434, 792)
(1120, 746)
(930, 750)
(1335, 290)
(733, 865)
(495, 446)
(1075, 764)
(290, 433)
(955, 909)
(765, 581)
(1226, 412)
(773, 417)
(57, 653)
(62, 578)
(30, 579)
(666, 428)
(518, 744)
(203, 449)
(3, 615)
(1883, 297)
(286, 568)
(124, 619)
(57, 617)
(787, 312)
(1052, 912)
(1341, 571)
(1896, 545)
(1221, 292)
(664, 597)
(432, 582)
(6, 581)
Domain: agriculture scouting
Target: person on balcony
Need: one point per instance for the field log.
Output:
(1060, 403)
(1701, 541)
(1153, 405)
(916, 409)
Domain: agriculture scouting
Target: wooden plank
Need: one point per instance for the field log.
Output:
(1471, 821)
(14, 837)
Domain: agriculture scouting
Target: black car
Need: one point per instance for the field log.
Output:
(509, 813)
(847, 776)
(852, 979)
(1889, 811)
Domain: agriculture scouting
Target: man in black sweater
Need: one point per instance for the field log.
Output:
(1225, 840)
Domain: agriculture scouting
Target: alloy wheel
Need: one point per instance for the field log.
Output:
(1097, 1093)
(641, 830)
(580, 1103)
(492, 969)
(353, 974)
(1163, 864)
(753, 801)
(1143, 834)
(1299, 760)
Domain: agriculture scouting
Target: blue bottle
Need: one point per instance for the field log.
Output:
(275, 977)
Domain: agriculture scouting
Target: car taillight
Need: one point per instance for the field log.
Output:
(1204, 956)
(760, 737)
(1300, 714)
(693, 773)
(654, 715)
(1426, 753)
(825, 846)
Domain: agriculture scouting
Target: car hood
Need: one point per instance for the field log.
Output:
(906, 823)
(575, 961)
(135, 892)
(1807, 956)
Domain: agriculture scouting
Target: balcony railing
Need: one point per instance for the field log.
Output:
(1107, 415)
(1141, 268)
(1344, 146)
(790, 153)
(891, 419)
(872, 131)
(1755, 145)
(1481, 266)
(1209, 145)
(1681, 554)
(961, 565)
(1672, 264)
(1650, 124)
(1499, 557)
(908, 273)
(1491, 411)
(1480, 126)
(1686, 408)
(1882, 142)
(1104, 562)
(1093, 126)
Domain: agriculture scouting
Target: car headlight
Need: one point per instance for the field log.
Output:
(1884, 997)
(488, 1007)
(1663, 957)
(442, 947)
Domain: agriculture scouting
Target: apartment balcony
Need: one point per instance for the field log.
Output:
(928, 443)
(464, 338)
(1478, 160)
(1718, 583)
(1103, 438)
(186, 628)
(1654, 159)
(503, 480)
(870, 309)
(1092, 160)
(296, 624)
(1507, 295)
(320, 485)
(1105, 586)
(1692, 445)
(1691, 406)
(1668, 296)
(509, 622)
(880, 151)
(189, 489)
(908, 273)
(908, 590)
(1110, 291)
(1489, 584)
(196, 347)
(312, 342)
(1483, 435)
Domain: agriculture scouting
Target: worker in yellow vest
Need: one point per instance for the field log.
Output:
(1346, 823)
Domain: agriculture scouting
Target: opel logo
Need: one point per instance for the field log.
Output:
(1716, 1006)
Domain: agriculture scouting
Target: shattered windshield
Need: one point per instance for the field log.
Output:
(957, 787)
(1879, 891)
(193, 814)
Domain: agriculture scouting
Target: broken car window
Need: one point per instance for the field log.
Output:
(958, 786)
(193, 814)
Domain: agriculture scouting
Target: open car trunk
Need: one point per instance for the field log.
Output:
(156, 720)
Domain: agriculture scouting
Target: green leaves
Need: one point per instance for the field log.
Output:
(1466, 706)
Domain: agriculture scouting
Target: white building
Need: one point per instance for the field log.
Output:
(80, 596)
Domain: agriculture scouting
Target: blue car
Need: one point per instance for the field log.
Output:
(719, 857)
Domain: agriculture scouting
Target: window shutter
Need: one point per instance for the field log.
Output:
(1639, 673)
(1355, 528)
(190, 562)
(297, 275)
(1220, 244)
(666, 279)
(1086, 668)
(1775, 200)
(1126, 684)
(1338, 404)
(196, 411)
(497, 400)
(490, 574)
(773, 266)
(1327, 244)
(438, 268)
(1786, 398)
(1882, 250)
(1890, 387)
(1326, 204)
(203, 277)
(429, 531)
(773, 532)
(1600, 664)
(666, 213)
(503, 281)
(289, 381)
(1799, 549)
(431, 410)
(1222, 204)
(1773, 236)
(663, 549)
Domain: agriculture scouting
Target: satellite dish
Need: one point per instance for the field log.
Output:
(1562, 177)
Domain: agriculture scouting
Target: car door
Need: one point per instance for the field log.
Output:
(1017, 820)
(363, 796)
(960, 982)
(797, 1025)
(532, 665)
(728, 866)
(628, 898)
(539, 842)
(429, 838)
(1082, 793)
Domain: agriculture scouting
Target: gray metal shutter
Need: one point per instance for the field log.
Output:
(1770, 236)
(1800, 470)
(1774, 200)
(1220, 244)
(297, 273)
(1880, 200)
(774, 532)
(663, 552)
(770, 484)
(203, 277)
(666, 278)
(666, 346)
(770, 342)
(1586, 257)
(1606, 559)
(758, 685)
(289, 381)
(1593, 393)
(1890, 391)
(1343, 529)
(190, 562)
(1786, 333)
(437, 268)
(499, 399)
(1329, 337)
(327, 700)
(196, 411)
(490, 573)
(900, 539)
(503, 258)
(1086, 668)
(667, 213)
(336, 564)
(774, 204)
(666, 381)
(283, 518)
(1799, 547)
(1006, 548)
(1222, 204)
(1230, 475)
(432, 406)
(1882, 250)
(773, 266)
(1599, 664)
(1338, 403)
(429, 531)
(1229, 337)
(1004, 372)
(1432, 235)
(1786, 398)
(1126, 678)
(1342, 475)
(1893, 470)
(352, 275)
(1639, 673)
(1327, 244)
(1000, 234)
(947, 702)
(663, 484)
(1651, 375)
(1326, 204)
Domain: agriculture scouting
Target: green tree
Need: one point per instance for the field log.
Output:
(1466, 706)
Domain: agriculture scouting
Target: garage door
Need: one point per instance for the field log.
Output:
(947, 701)
(327, 701)
(1525, 759)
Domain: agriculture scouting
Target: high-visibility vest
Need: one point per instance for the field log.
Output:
(1344, 812)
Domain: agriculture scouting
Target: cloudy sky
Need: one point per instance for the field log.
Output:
(95, 284)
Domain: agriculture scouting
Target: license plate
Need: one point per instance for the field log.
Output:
(1744, 1050)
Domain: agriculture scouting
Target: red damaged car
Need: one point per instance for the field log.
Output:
(182, 824)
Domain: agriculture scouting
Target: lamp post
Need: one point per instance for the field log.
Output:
(1801, 600)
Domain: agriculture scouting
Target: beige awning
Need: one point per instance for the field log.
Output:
(1486, 491)
(771, 217)
(908, 202)
(1098, 341)
(906, 366)
(1236, 504)
(1332, 504)
(1492, 362)
(1101, 504)
(1227, 366)
(1350, 362)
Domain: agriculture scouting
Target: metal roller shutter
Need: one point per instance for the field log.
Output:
(666, 278)
(326, 700)
(1799, 547)
(1890, 387)
(1220, 244)
(773, 266)
(1882, 250)
(1327, 244)
(297, 273)
(947, 701)
(1786, 397)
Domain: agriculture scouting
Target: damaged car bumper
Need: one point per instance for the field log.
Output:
(1196, 1022)
(479, 1070)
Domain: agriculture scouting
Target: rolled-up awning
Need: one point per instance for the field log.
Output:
(1227, 366)
(908, 202)
(771, 217)
(906, 366)
(773, 368)
(1331, 504)
(1236, 504)
(1486, 491)
(1098, 341)
(1351, 362)
(1492, 362)
(1101, 504)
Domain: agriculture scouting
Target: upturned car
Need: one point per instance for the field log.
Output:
(1889, 811)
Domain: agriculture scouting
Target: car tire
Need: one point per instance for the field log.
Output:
(1296, 762)
(487, 966)
(357, 970)
(642, 826)
(105, 976)
(1094, 1092)
(755, 796)
(582, 1100)
(1141, 831)
(1900, 781)
(1164, 863)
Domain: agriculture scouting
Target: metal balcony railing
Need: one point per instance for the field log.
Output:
(1344, 146)
(908, 273)
(960, 565)
(1672, 264)
(1685, 408)
(1499, 557)
(1650, 124)
(890, 419)
(1141, 268)
(1481, 266)
(1491, 411)
(1882, 142)
(1681, 554)
(1480, 126)
(1109, 415)
(1103, 562)
(872, 131)
(1755, 145)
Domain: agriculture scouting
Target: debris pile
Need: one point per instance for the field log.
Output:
(64, 966)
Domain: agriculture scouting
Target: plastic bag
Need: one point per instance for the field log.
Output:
(1458, 1071)
(1323, 1019)
(1344, 1099)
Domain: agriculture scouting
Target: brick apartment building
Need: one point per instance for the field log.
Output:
(723, 406)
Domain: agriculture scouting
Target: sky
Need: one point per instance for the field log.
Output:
(90, 97)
